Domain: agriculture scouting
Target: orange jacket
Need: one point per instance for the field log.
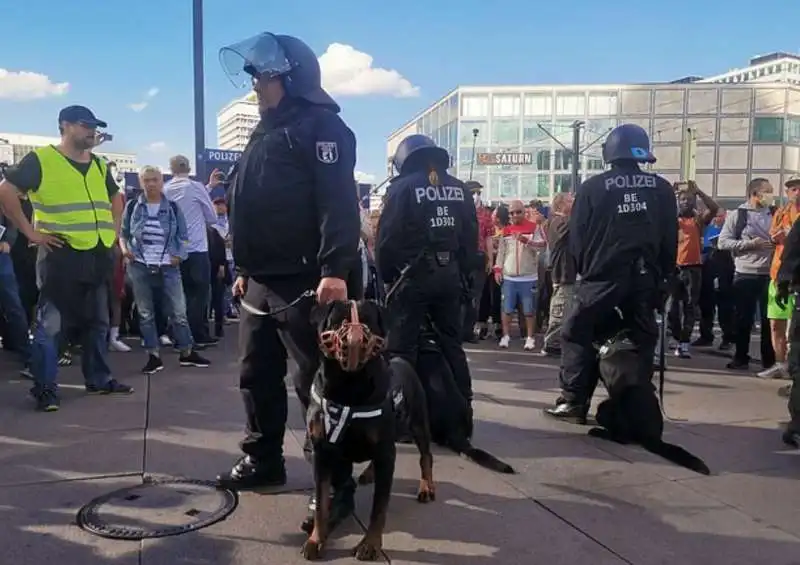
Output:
(782, 220)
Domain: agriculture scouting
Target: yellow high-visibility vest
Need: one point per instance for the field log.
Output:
(72, 205)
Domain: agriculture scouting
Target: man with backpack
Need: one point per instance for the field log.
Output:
(746, 234)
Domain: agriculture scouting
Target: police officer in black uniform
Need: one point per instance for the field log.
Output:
(788, 283)
(428, 224)
(624, 236)
(295, 226)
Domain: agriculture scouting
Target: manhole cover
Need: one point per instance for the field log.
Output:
(157, 509)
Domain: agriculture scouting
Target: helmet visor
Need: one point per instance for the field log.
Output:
(260, 56)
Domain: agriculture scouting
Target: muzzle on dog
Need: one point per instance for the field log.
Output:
(352, 344)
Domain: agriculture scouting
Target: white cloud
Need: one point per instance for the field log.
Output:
(27, 85)
(346, 71)
(365, 178)
(149, 95)
(156, 146)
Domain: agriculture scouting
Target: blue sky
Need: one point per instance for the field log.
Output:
(113, 52)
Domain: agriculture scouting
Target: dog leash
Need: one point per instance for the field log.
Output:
(662, 365)
(403, 275)
(396, 284)
(273, 312)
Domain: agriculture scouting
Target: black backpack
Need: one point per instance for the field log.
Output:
(741, 221)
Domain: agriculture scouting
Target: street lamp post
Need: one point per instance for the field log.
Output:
(475, 133)
(199, 89)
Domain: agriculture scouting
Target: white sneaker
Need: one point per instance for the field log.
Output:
(117, 345)
(530, 344)
(165, 340)
(504, 342)
(775, 372)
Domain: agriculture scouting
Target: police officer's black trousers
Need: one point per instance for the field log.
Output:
(436, 292)
(593, 319)
(794, 368)
(264, 342)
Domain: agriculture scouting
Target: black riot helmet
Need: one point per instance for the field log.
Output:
(628, 142)
(417, 152)
(268, 56)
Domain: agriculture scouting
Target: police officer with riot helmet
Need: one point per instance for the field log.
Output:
(295, 226)
(428, 224)
(623, 234)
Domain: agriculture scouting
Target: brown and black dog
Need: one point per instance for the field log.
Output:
(351, 417)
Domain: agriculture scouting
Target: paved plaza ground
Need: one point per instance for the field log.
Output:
(575, 500)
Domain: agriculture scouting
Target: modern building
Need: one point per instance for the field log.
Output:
(772, 67)
(21, 144)
(236, 121)
(746, 124)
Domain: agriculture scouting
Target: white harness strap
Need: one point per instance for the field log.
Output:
(336, 417)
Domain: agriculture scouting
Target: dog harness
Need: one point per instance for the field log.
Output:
(337, 417)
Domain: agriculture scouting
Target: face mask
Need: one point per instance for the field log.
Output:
(477, 199)
(767, 200)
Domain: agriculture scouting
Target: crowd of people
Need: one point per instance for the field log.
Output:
(173, 266)
(161, 280)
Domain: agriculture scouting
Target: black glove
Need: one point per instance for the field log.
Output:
(782, 294)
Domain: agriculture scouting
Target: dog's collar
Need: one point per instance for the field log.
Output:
(336, 417)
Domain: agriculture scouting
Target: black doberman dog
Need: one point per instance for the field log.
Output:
(351, 417)
(631, 414)
(450, 413)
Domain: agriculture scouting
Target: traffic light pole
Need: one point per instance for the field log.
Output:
(575, 151)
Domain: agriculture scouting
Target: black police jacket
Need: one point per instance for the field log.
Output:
(789, 272)
(293, 201)
(417, 218)
(620, 217)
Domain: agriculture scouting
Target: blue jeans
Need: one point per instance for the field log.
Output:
(44, 350)
(145, 286)
(518, 292)
(196, 274)
(11, 306)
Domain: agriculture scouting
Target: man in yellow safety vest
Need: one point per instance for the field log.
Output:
(77, 210)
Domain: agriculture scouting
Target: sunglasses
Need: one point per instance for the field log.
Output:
(516, 212)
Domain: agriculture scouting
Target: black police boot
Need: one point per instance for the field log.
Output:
(343, 504)
(568, 412)
(248, 474)
(791, 437)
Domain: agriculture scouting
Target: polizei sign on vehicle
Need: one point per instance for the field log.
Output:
(506, 159)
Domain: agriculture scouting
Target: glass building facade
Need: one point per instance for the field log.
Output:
(523, 135)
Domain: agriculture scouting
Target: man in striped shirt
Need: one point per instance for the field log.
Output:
(153, 241)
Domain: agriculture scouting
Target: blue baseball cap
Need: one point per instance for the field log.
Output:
(80, 115)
